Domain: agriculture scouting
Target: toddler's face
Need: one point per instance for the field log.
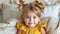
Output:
(31, 20)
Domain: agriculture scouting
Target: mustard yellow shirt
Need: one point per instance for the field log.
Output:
(27, 30)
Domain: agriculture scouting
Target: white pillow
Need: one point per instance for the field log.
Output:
(12, 22)
(51, 11)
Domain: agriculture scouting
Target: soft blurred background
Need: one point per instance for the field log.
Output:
(9, 15)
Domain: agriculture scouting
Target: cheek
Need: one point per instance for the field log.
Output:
(26, 20)
(37, 20)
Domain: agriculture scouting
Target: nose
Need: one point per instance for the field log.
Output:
(31, 20)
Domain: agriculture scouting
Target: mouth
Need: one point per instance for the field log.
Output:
(31, 25)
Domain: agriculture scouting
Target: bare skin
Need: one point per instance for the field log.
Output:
(19, 32)
(43, 31)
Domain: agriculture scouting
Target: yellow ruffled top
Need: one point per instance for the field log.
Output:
(27, 30)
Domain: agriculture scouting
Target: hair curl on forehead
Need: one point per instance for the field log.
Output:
(22, 6)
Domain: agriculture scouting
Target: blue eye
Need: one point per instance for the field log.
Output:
(34, 17)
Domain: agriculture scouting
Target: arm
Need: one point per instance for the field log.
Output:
(43, 31)
(19, 32)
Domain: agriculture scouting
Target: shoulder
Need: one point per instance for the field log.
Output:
(20, 26)
(43, 25)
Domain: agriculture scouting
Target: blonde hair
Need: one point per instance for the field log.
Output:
(34, 7)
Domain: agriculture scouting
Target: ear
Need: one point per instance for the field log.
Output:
(39, 19)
